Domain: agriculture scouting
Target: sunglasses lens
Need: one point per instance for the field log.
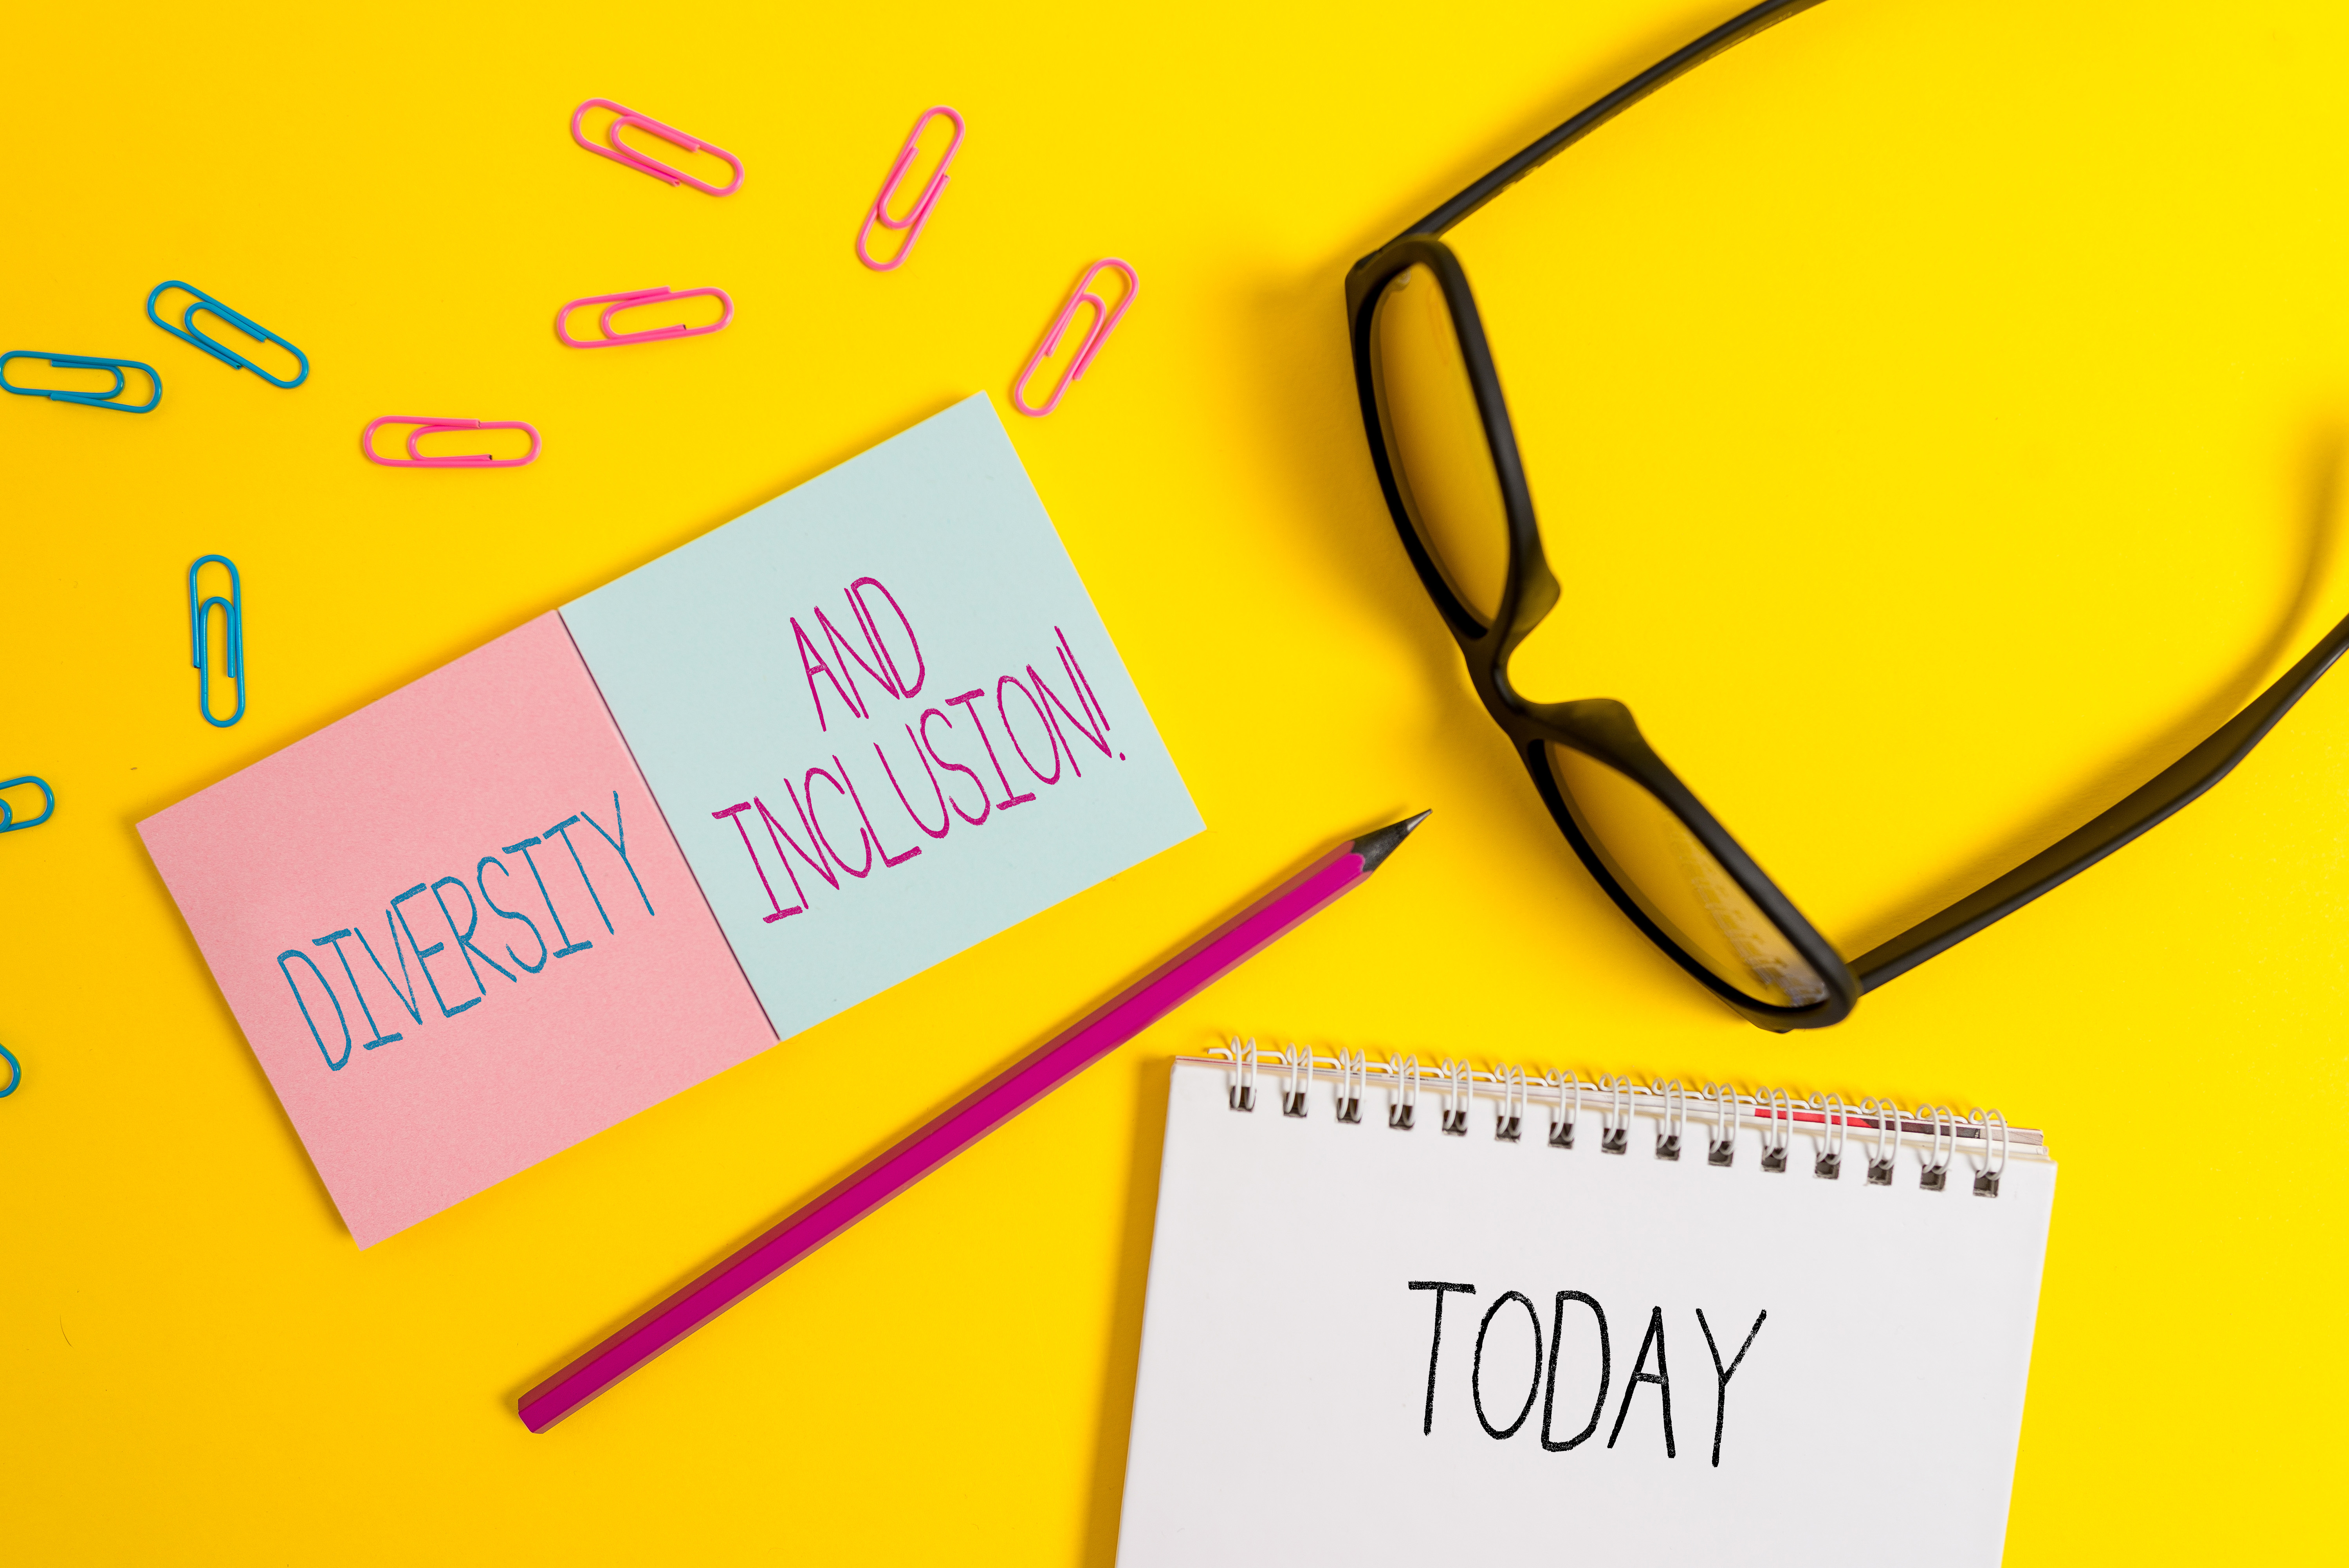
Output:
(1678, 884)
(1435, 440)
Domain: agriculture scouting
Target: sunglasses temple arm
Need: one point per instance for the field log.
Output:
(1679, 63)
(2175, 787)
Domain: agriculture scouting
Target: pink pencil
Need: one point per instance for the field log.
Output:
(1017, 1088)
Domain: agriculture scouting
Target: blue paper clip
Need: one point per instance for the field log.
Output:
(233, 665)
(84, 362)
(219, 350)
(15, 1073)
(48, 809)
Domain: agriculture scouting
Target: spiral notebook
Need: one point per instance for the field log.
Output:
(1409, 1316)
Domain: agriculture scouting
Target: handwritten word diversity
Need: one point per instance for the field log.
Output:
(467, 941)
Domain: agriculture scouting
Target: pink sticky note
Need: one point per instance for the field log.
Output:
(517, 910)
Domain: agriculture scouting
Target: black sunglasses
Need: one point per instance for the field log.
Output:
(1447, 460)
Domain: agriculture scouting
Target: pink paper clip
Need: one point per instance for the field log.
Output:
(425, 427)
(614, 303)
(619, 153)
(910, 225)
(1105, 318)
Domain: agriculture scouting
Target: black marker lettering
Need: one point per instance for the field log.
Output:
(1721, 1394)
(1476, 1367)
(1605, 1371)
(1662, 1377)
(1435, 1345)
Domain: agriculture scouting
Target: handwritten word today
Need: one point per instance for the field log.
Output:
(1029, 719)
(397, 926)
(1652, 1343)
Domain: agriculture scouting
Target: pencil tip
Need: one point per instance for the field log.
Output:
(1375, 847)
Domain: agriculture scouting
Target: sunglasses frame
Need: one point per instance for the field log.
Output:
(1603, 729)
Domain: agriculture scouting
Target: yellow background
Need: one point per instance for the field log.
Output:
(1933, 406)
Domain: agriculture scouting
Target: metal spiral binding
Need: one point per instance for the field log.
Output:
(1509, 1121)
(1242, 1089)
(1886, 1151)
(1720, 1143)
(1675, 1122)
(1777, 1130)
(1458, 1094)
(1935, 1177)
(1402, 1101)
(1353, 1083)
(1615, 1116)
(1298, 1061)
(1836, 1121)
(1984, 1135)
(1568, 1111)
(1991, 1166)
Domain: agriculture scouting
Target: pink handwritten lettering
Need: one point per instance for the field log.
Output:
(733, 813)
(812, 662)
(816, 822)
(965, 702)
(1050, 734)
(1066, 706)
(1077, 675)
(945, 820)
(844, 653)
(905, 688)
(931, 747)
(786, 846)
(1052, 700)
(862, 815)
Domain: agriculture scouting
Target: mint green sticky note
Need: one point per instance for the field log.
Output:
(882, 717)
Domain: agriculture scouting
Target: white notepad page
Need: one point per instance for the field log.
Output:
(1283, 1413)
